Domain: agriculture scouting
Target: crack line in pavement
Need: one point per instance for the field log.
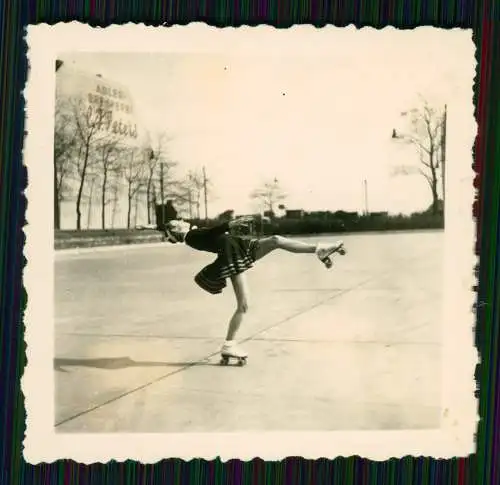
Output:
(298, 340)
(194, 363)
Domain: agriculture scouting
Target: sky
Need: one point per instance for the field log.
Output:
(319, 124)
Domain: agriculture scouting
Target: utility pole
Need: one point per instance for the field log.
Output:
(57, 211)
(162, 195)
(189, 194)
(365, 184)
(443, 149)
(205, 192)
(152, 204)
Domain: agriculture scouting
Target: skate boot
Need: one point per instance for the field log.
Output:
(324, 251)
(232, 351)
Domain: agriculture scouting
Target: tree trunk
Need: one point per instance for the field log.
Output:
(57, 204)
(148, 194)
(89, 213)
(154, 204)
(435, 197)
(270, 208)
(136, 206)
(129, 209)
(80, 189)
(115, 207)
(103, 201)
(434, 183)
(205, 193)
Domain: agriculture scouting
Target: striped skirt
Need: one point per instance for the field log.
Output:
(236, 255)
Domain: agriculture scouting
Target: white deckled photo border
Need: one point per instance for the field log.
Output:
(459, 406)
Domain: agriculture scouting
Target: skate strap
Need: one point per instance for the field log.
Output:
(332, 252)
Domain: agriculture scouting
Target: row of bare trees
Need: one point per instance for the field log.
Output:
(93, 163)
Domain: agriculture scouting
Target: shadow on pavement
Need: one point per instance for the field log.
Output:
(114, 363)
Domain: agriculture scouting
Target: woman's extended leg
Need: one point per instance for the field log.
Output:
(271, 243)
(241, 293)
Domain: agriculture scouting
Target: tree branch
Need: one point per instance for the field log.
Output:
(426, 176)
(415, 141)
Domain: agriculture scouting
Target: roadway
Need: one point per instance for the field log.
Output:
(357, 347)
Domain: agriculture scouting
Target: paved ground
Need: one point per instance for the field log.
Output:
(356, 347)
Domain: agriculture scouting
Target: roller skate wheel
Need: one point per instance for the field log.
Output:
(328, 263)
(342, 251)
(224, 361)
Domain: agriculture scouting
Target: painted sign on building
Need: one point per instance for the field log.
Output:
(104, 104)
(105, 144)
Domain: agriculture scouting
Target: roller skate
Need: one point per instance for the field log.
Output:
(324, 252)
(231, 351)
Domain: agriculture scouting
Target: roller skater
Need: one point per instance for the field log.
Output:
(235, 255)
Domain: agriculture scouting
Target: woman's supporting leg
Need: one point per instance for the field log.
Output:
(241, 292)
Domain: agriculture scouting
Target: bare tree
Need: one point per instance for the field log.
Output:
(115, 197)
(93, 180)
(167, 185)
(192, 191)
(139, 197)
(180, 195)
(203, 189)
(65, 140)
(107, 154)
(157, 156)
(187, 193)
(134, 172)
(426, 134)
(207, 191)
(89, 122)
(269, 194)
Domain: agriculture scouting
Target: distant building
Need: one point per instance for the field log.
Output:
(346, 215)
(378, 214)
(294, 214)
(89, 92)
(254, 216)
(90, 99)
(320, 214)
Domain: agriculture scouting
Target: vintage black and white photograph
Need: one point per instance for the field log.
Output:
(252, 237)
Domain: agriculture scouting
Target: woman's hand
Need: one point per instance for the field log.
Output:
(240, 221)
